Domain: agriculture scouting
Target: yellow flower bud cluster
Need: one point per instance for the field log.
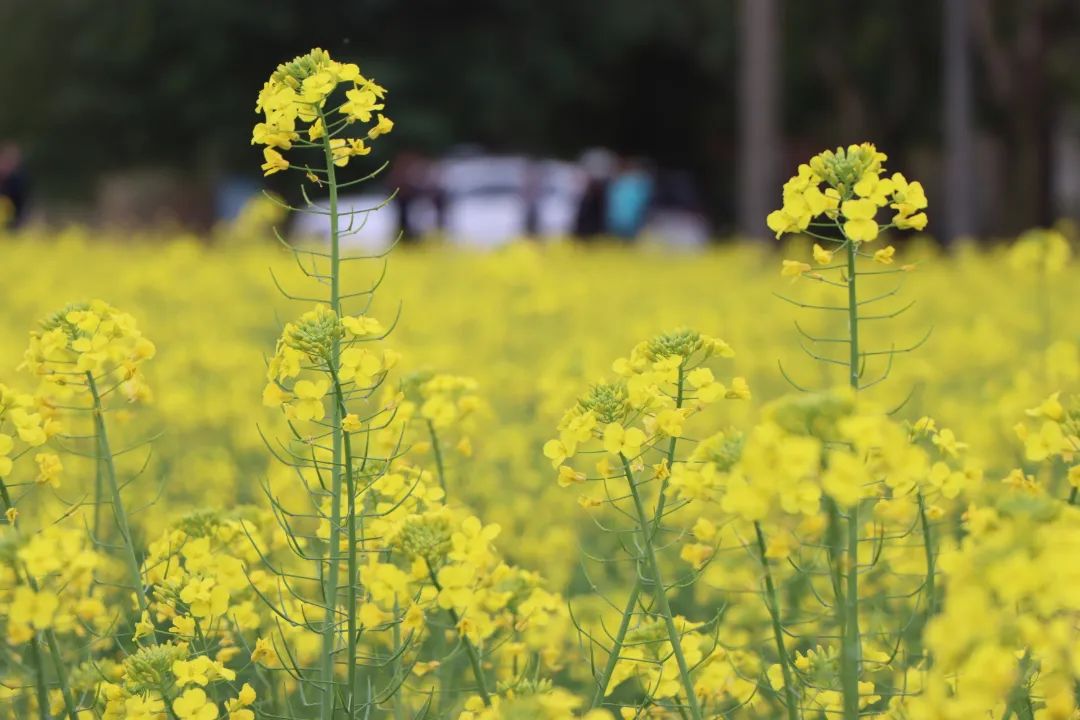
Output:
(306, 347)
(91, 340)
(26, 420)
(51, 583)
(662, 383)
(294, 103)
(1052, 431)
(847, 188)
(812, 446)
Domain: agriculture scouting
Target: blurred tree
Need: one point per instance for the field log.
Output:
(759, 131)
(1030, 52)
(147, 83)
(959, 140)
(92, 88)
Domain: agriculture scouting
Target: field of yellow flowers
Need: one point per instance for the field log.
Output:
(250, 479)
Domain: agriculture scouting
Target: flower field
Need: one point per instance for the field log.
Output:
(245, 479)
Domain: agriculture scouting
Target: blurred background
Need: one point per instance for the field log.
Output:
(514, 117)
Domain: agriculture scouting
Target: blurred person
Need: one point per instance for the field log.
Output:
(591, 219)
(13, 185)
(629, 196)
(414, 177)
(677, 215)
(531, 192)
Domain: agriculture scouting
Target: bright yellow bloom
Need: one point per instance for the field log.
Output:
(874, 188)
(821, 255)
(49, 469)
(625, 441)
(859, 224)
(194, 705)
(568, 476)
(29, 612)
(274, 162)
(885, 255)
(794, 268)
(263, 652)
(308, 403)
(143, 707)
(1050, 408)
(360, 104)
(205, 598)
(382, 127)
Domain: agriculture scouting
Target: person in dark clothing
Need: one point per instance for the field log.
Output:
(13, 186)
(592, 210)
(414, 178)
(591, 219)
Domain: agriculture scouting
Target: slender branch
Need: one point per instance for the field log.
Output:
(470, 649)
(660, 593)
(437, 451)
(773, 605)
(119, 514)
(330, 590)
(851, 647)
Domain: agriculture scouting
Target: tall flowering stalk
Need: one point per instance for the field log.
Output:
(836, 198)
(637, 419)
(93, 352)
(326, 345)
(85, 354)
(31, 608)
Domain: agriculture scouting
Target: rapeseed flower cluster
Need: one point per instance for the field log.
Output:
(86, 343)
(296, 113)
(855, 190)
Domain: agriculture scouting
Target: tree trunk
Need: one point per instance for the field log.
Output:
(758, 109)
(959, 169)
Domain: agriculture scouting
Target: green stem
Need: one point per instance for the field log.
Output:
(437, 451)
(354, 579)
(54, 653)
(61, 674)
(853, 319)
(119, 514)
(851, 649)
(330, 592)
(616, 647)
(834, 544)
(660, 593)
(660, 502)
(399, 668)
(851, 652)
(99, 499)
(1019, 696)
(931, 560)
(773, 605)
(470, 649)
(635, 591)
(39, 680)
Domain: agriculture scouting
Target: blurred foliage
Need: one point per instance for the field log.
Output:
(140, 83)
